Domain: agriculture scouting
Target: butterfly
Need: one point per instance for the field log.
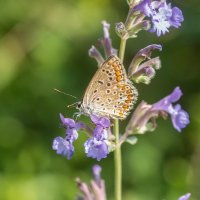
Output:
(110, 93)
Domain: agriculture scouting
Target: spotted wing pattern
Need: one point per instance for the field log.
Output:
(110, 93)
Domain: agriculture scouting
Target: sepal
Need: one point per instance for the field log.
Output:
(132, 140)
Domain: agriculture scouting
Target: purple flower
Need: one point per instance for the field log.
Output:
(176, 17)
(65, 146)
(101, 121)
(106, 41)
(96, 169)
(144, 117)
(164, 103)
(96, 149)
(185, 197)
(96, 146)
(161, 14)
(96, 188)
(139, 68)
(94, 53)
(145, 7)
(179, 117)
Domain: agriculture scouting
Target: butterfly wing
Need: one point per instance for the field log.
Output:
(110, 93)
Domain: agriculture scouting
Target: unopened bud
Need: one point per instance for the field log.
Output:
(94, 53)
(121, 30)
(145, 53)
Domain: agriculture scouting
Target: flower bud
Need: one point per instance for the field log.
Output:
(96, 169)
(144, 75)
(121, 30)
(140, 71)
(106, 41)
(94, 190)
(94, 53)
(132, 26)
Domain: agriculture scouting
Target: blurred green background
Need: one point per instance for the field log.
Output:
(44, 45)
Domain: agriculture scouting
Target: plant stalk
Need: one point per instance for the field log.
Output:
(117, 152)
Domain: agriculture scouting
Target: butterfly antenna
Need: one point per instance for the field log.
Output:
(65, 94)
(72, 105)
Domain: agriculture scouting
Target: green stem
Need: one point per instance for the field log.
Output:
(122, 49)
(117, 153)
(117, 163)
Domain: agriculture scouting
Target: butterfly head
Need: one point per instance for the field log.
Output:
(83, 109)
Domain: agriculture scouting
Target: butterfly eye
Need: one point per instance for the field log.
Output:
(79, 105)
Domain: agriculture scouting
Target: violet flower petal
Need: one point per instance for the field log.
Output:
(145, 7)
(185, 197)
(67, 121)
(164, 103)
(96, 169)
(98, 132)
(95, 119)
(180, 118)
(103, 121)
(161, 14)
(96, 149)
(177, 17)
(63, 147)
(71, 134)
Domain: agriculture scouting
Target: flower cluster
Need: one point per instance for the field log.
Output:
(96, 190)
(153, 15)
(142, 69)
(96, 146)
(65, 146)
(143, 119)
(179, 117)
(162, 15)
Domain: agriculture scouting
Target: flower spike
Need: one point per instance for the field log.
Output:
(161, 14)
(143, 119)
(64, 146)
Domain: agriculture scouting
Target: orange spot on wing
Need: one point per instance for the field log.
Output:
(123, 87)
(114, 65)
(119, 78)
(125, 106)
(128, 91)
(129, 97)
(118, 73)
